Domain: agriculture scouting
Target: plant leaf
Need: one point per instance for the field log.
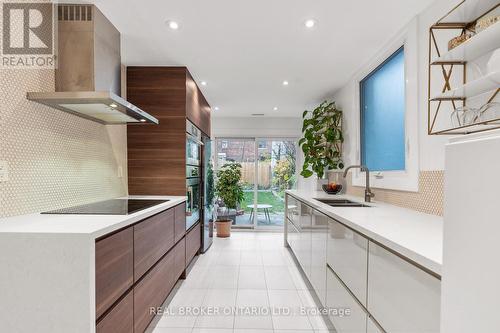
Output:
(306, 173)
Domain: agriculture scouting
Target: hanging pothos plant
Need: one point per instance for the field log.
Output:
(322, 140)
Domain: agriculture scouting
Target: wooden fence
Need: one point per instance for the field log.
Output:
(264, 173)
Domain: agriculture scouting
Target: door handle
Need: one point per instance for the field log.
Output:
(190, 192)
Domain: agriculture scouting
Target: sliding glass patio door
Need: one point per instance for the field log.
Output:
(242, 151)
(268, 169)
(276, 170)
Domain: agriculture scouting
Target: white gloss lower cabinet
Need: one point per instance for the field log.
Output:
(350, 317)
(319, 234)
(304, 250)
(292, 236)
(401, 296)
(348, 257)
(292, 209)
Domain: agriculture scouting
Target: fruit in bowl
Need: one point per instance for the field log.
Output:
(332, 188)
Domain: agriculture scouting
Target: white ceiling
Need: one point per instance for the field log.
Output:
(245, 49)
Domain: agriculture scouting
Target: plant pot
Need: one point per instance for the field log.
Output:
(223, 228)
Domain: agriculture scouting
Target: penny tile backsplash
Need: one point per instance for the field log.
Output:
(55, 159)
(429, 198)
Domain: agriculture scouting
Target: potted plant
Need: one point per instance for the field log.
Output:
(322, 140)
(230, 191)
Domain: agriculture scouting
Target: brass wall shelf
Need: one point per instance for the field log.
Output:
(448, 70)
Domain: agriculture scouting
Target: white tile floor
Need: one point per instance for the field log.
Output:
(251, 271)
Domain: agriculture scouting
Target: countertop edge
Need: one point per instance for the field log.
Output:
(44, 224)
(410, 254)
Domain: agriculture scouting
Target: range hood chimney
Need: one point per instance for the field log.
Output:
(88, 76)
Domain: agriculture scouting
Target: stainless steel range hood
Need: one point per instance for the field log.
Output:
(88, 76)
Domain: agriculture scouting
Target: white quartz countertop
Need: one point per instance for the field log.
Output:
(91, 225)
(414, 235)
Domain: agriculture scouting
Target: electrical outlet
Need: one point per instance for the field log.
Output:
(4, 171)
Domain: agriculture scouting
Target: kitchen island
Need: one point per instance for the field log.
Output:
(88, 273)
(381, 262)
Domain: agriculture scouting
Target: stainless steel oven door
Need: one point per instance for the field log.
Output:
(193, 201)
(193, 150)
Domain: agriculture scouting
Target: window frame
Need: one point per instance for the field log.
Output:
(363, 112)
(403, 180)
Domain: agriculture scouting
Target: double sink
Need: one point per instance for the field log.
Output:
(341, 203)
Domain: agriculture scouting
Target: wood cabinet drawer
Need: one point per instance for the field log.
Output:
(179, 258)
(350, 317)
(114, 268)
(180, 221)
(348, 257)
(319, 234)
(401, 296)
(193, 243)
(152, 290)
(120, 319)
(153, 237)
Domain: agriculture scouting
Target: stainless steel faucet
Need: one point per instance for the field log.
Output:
(368, 192)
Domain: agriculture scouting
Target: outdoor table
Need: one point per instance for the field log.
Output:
(264, 207)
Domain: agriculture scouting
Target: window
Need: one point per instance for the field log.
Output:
(386, 114)
(268, 168)
(382, 103)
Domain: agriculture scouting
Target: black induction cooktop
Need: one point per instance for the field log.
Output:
(109, 207)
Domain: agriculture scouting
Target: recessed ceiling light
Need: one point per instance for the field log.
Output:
(285, 83)
(143, 120)
(173, 25)
(216, 108)
(310, 23)
(203, 83)
(113, 105)
(275, 108)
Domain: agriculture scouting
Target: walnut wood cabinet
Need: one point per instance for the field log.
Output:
(153, 237)
(180, 222)
(114, 262)
(157, 153)
(121, 317)
(180, 258)
(193, 243)
(152, 290)
(137, 267)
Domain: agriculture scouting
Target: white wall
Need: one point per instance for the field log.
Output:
(431, 148)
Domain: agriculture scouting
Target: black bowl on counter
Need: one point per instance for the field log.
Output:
(336, 191)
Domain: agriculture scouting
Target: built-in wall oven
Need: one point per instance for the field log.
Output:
(193, 174)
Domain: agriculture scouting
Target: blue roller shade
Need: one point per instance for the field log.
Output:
(383, 115)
